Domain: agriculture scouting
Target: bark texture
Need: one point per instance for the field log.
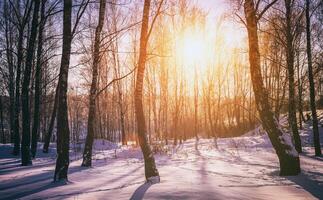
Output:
(150, 166)
(87, 154)
(25, 143)
(311, 80)
(63, 132)
(51, 123)
(287, 155)
(291, 80)
(1, 124)
(36, 119)
(9, 50)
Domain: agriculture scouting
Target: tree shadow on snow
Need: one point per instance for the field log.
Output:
(310, 155)
(309, 184)
(203, 170)
(125, 175)
(305, 180)
(38, 182)
(13, 161)
(18, 167)
(36, 190)
(140, 191)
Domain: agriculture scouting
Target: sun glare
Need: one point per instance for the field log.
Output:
(193, 49)
(199, 49)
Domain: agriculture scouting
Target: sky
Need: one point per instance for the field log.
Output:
(214, 6)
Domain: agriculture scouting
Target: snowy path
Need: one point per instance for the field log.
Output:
(234, 171)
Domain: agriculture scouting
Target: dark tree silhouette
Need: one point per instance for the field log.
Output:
(287, 155)
(63, 132)
(311, 80)
(36, 120)
(9, 52)
(291, 73)
(51, 122)
(22, 23)
(87, 154)
(25, 143)
(1, 118)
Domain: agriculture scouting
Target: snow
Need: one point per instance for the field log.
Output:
(153, 180)
(285, 138)
(240, 168)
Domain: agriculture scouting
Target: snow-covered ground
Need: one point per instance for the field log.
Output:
(240, 168)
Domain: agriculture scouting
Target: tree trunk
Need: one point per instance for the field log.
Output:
(196, 103)
(51, 123)
(287, 155)
(63, 132)
(175, 113)
(25, 143)
(21, 25)
(122, 120)
(16, 148)
(311, 80)
(1, 118)
(150, 166)
(119, 86)
(300, 93)
(87, 154)
(9, 50)
(35, 129)
(12, 103)
(291, 81)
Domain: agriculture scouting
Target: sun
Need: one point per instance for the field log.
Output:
(199, 49)
(192, 49)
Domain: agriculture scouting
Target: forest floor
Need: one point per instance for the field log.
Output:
(240, 168)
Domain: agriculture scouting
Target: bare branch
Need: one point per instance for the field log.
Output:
(155, 18)
(265, 9)
(114, 80)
